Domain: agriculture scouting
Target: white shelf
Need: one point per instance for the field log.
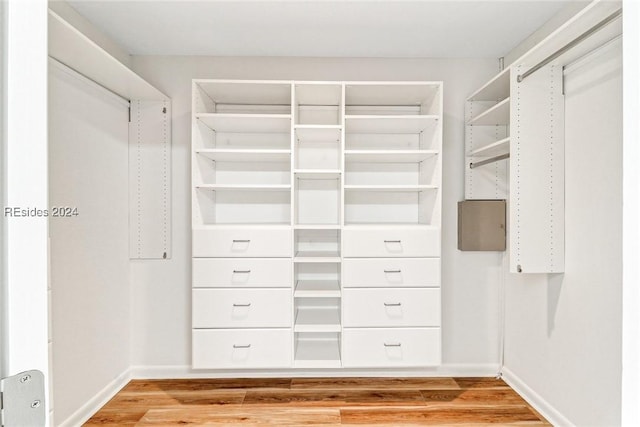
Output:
(317, 256)
(248, 92)
(224, 155)
(388, 156)
(317, 173)
(494, 149)
(75, 50)
(317, 353)
(494, 116)
(317, 226)
(317, 289)
(391, 93)
(396, 188)
(495, 89)
(246, 123)
(244, 187)
(389, 124)
(318, 133)
(317, 319)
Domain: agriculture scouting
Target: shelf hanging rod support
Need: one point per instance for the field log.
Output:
(606, 21)
(487, 161)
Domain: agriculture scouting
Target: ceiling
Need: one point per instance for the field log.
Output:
(324, 28)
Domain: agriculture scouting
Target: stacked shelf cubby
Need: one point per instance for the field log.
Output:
(283, 171)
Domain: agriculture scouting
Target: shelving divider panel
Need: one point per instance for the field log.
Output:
(496, 115)
(246, 123)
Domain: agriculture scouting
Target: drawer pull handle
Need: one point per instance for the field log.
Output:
(392, 304)
(393, 271)
(242, 271)
(242, 305)
(241, 240)
(242, 346)
(393, 241)
(393, 345)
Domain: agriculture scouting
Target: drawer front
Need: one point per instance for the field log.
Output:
(365, 348)
(392, 242)
(389, 272)
(391, 307)
(241, 348)
(242, 273)
(249, 242)
(241, 308)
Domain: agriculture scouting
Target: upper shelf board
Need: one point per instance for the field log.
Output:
(496, 115)
(400, 93)
(390, 124)
(495, 89)
(494, 149)
(388, 156)
(247, 92)
(246, 123)
(75, 50)
(224, 155)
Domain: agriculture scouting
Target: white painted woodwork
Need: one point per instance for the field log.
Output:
(384, 347)
(384, 242)
(242, 242)
(274, 188)
(241, 308)
(393, 307)
(241, 273)
(390, 272)
(241, 348)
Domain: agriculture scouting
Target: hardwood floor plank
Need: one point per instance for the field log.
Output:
(488, 397)
(374, 383)
(337, 398)
(242, 416)
(437, 415)
(119, 417)
(128, 399)
(467, 382)
(208, 384)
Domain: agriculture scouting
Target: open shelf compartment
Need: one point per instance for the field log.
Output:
(318, 103)
(317, 350)
(242, 97)
(399, 98)
(392, 206)
(228, 205)
(317, 245)
(317, 315)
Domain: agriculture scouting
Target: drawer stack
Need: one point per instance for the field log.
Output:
(242, 306)
(391, 297)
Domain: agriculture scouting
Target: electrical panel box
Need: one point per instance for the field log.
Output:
(482, 225)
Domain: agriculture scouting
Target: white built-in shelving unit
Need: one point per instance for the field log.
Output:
(321, 190)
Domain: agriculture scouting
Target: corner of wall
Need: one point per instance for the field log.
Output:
(70, 15)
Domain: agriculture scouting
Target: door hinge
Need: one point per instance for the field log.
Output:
(22, 401)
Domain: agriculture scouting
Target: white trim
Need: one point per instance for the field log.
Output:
(534, 399)
(86, 411)
(185, 372)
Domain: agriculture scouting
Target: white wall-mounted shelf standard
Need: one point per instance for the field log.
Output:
(282, 170)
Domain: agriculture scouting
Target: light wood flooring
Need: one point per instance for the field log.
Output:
(318, 401)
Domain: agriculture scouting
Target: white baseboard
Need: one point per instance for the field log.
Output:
(87, 410)
(185, 371)
(534, 399)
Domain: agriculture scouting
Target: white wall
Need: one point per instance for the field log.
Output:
(88, 164)
(563, 331)
(161, 306)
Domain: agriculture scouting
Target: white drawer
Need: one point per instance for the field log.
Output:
(382, 307)
(242, 242)
(242, 308)
(388, 272)
(364, 348)
(391, 242)
(241, 348)
(242, 273)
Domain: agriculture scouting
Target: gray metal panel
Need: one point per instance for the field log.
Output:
(482, 225)
(23, 402)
